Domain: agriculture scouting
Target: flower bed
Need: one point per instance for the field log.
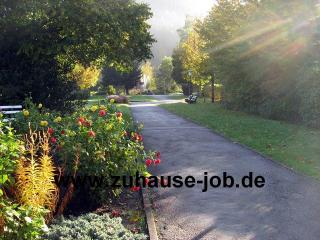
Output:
(45, 146)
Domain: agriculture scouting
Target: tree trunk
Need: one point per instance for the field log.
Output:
(212, 88)
(203, 93)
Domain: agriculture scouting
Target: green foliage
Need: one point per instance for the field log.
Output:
(113, 150)
(95, 141)
(34, 117)
(85, 77)
(194, 60)
(164, 81)
(111, 90)
(23, 223)
(127, 79)
(90, 226)
(42, 41)
(16, 221)
(9, 154)
(265, 53)
(189, 60)
(148, 75)
(178, 71)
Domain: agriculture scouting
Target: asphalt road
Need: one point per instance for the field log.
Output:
(287, 207)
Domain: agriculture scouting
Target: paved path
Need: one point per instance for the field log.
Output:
(288, 207)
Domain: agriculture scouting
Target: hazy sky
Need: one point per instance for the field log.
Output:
(168, 16)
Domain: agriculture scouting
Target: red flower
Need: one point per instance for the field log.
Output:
(148, 162)
(119, 114)
(157, 161)
(102, 113)
(53, 140)
(50, 131)
(91, 133)
(115, 213)
(63, 132)
(135, 188)
(81, 120)
(87, 124)
(158, 154)
(137, 137)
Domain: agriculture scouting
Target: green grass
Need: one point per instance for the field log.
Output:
(95, 99)
(295, 146)
(125, 109)
(135, 98)
(141, 98)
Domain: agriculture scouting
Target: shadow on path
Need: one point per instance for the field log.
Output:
(288, 207)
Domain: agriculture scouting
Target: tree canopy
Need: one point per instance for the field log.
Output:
(42, 41)
(164, 81)
(127, 80)
(264, 53)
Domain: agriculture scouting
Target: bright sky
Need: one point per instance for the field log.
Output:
(168, 16)
(171, 13)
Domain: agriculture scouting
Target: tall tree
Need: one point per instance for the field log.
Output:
(164, 80)
(266, 55)
(148, 75)
(42, 41)
(194, 61)
(178, 71)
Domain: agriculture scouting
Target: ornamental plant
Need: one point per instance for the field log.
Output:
(91, 226)
(35, 173)
(38, 119)
(95, 141)
(17, 221)
(100, 137)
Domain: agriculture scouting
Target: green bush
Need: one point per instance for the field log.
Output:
(111, 90)
(90, 226)
(100, 138)
(9, 153)
(96, 141)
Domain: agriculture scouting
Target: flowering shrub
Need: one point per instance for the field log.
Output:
(98, 137)
(37, 117)
(96, 141)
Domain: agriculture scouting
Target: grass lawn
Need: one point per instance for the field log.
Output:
(134, 98)
(294, 146)
(125, 109)
(95, 99)
(141, 98)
